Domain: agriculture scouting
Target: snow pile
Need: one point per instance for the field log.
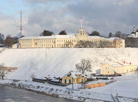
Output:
(59, 61)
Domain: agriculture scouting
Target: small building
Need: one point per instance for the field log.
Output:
(117, 68)
(74, 77)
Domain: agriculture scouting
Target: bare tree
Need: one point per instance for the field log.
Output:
(3, 71)
(105, 44)
(84, 65)
(9, 41)
(68, 44)
(95, 33)
(85, 44)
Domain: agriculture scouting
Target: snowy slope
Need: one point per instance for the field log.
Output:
(125, 85)
(59, 61)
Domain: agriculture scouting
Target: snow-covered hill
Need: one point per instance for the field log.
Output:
(59, 61)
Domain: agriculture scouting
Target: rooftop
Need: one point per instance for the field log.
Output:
(48, 37)
(119, 64)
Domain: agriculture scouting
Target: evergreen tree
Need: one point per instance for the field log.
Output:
(110, 35)
(63, 32)
(46, 33)
(95, 33)
(118, 34)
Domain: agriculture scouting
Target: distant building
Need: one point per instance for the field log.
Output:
(117, 68)
(73, 77)
(134, 33)
(67, 41)
(132, 39)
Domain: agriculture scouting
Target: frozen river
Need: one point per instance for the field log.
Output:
(9, 94)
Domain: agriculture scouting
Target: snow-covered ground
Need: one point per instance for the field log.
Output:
(2, 49)
(59, 61)
(125, 85)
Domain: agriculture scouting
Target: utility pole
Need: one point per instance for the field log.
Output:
(21, 27)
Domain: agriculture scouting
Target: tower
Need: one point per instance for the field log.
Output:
(81, 30)
(81, 23)
(134, 29)
(81, 35)
(21, 24)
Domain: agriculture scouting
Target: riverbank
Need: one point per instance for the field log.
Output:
(10, 94)
(123, 89)
(61, 92)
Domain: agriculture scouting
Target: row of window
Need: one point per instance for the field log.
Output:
(26, 41)
(45, 45)
(48, 40)
(44, 41)
(66, 41)
(26, 45)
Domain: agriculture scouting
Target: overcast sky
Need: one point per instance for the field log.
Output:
(98, 15)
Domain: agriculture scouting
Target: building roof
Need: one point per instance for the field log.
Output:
(48, 37)
(27, 38)
(119, 64)
(73, 74)
(114, 38)
(67, 37)
(96, 37)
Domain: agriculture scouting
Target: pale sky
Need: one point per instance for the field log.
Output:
(98, 15)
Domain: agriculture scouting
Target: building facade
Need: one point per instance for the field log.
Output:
(117, 68)
(66, 41)
(74, 77)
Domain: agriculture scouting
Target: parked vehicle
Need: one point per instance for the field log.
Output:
(39, 80)
(102, 78)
